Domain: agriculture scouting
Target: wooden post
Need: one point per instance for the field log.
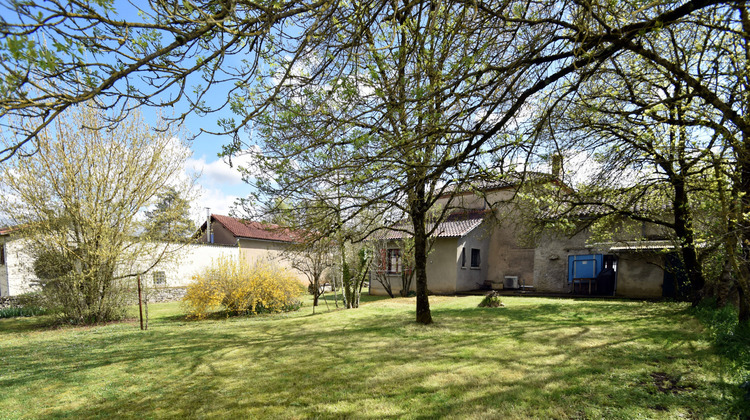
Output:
(140, 301)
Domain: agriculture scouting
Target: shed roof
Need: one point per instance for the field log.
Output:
(635, 246)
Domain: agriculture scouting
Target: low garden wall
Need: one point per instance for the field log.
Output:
(166, 294)
(155, 295)
(8, 302)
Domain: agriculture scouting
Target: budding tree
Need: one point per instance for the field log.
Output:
(79, 202)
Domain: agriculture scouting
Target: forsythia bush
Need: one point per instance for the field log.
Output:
(242, 288)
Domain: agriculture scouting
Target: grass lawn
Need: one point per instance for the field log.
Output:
(535, 358)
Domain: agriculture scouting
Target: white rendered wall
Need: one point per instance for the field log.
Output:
(20, 268)
(189, 260)
(3, 272)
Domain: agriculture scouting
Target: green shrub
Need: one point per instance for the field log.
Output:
(90, 294)
(730, 338)
(17, 311)
(34, 300)
(237, 288)
(491, 300)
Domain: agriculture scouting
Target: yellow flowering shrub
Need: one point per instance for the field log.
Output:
(239, 287)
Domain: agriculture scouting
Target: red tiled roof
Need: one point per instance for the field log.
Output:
(254, 230)
(456, 225)
(5, 231)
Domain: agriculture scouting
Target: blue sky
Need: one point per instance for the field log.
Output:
(219, 185)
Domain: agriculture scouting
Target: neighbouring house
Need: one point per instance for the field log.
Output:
(254, 240)
(16, 273)
(186, 261)
(483, 244)
(227, 237)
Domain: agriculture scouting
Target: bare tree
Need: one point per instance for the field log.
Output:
(312, 259)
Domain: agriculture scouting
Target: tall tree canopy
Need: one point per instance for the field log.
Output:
(671, 108)
(392, 101)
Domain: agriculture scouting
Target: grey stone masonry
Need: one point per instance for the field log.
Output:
(8, 302)
(166, 294)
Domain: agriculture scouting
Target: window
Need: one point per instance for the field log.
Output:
(463, 257)
(475, 261)
(2, 254)
(394, 261)
(160, 278)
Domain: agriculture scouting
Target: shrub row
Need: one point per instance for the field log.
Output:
(27, 304)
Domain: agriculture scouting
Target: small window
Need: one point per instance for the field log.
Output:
(394, 260)
(463, 257)
(2, 254)
(160, 278)
(475, 261)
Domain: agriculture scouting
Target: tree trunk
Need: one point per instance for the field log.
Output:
(743, 280)
(744, 306)
(418, 213)
(683, 225)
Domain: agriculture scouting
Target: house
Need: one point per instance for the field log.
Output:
(183, 261)
(227, 238)
(16, 273)
(456, 260)
(483, 244)
(254, 240)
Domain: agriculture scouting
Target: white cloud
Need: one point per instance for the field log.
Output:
(219, 184)
(217, 200)
(217, 172)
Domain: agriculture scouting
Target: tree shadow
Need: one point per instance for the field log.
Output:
(525, 360)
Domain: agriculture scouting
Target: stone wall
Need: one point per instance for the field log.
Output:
(8, 302)
(551, 261)
(166, 294)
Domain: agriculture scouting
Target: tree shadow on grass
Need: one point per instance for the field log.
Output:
(529, 360)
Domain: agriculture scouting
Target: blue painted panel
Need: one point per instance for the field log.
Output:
(571, 260)
(584, 266)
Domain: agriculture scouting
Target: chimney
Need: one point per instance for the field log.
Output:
(209, 233)
(557, 165)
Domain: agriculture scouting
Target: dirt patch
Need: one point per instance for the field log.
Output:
(666, 383)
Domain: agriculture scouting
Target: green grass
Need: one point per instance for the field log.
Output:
(535, 358)
(14, 312)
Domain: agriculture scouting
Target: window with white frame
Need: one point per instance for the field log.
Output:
(160, 278)
(475, 260)
(394, 260)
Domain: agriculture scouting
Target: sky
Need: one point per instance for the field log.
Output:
(218, 184)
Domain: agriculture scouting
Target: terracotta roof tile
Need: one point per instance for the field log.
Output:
(456, 225)
(254, 230)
